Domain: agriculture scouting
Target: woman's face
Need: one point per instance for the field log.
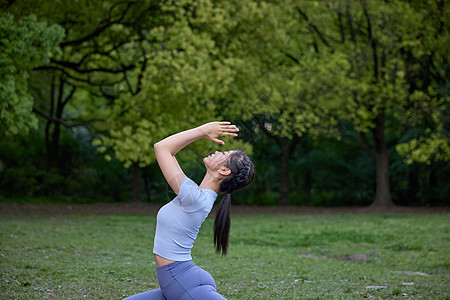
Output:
(217, 160)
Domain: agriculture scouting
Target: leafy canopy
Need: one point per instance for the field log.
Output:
(24, 44)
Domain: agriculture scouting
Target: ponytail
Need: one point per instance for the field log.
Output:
(242, 174)
(222, 225)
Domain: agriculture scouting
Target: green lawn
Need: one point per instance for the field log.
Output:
(316, 256)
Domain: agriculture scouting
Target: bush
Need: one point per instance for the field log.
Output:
(269, 199)
(297, 198)
(19, 181)
(14, 181)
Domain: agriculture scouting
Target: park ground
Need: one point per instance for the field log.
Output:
(103, 251)
(152, 209)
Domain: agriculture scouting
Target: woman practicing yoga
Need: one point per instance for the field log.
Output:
(179, 221)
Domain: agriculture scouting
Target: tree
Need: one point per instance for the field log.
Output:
(130, 72)
(178, 85)
(99, 54)
(353, 70)
(386, 54)
(271, 86)
(370, 74)
(24, 44)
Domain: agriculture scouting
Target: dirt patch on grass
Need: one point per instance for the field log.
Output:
(351, 257)
(355, 257)
(309, 255)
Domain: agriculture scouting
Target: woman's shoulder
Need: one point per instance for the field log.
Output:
(189, 192)
(192, 195)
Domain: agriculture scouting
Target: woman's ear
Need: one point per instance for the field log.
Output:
(224, 171)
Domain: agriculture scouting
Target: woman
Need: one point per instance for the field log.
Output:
(179, 221)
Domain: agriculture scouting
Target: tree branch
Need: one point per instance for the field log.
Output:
(69, 96)
(372, 42)
(74, 66)
(314, 27)
(98, 30)
(363, 142)
(141, 74)
(291, 57)
(66, 124)
(41, 68)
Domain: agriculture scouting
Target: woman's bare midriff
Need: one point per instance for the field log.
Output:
(161, 261)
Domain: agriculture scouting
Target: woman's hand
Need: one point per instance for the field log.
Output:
(214, 130)
(166, 149)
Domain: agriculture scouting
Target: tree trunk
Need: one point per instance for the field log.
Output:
(307, 186)
(284, 178)
(287, 147)
(381, 155)
(57, 132)
(136, 183)
(48, 143)
(382, 194)
(52, 145)
(413, 185)
(49, 147)
(52, 140)
(147, 186)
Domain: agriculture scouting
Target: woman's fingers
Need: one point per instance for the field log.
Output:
(218, 141)
(217, 129)
(232, 128)
(226, 124)
(229, 130)
(225, 133)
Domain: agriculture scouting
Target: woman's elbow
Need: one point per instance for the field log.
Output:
(157, 146)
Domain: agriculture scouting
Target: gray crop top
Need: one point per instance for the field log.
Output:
(178, 222)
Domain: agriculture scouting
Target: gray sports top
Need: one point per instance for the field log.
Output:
(178, 222)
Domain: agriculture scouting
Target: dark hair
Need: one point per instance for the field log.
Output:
(242, 174)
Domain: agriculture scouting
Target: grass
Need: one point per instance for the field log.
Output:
(317, 256)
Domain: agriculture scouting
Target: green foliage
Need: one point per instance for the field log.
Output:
(265, 199)
(425, 150)
(181, 83)
(24, 44)
(315, 67)
(286, 71)
(19, 181)
(433, 143)
(87, 176)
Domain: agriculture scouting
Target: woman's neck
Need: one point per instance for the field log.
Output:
(210, 182)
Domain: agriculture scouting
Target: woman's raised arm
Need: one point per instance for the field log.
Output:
(166, 149)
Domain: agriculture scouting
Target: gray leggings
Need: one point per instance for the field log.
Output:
(181, 280)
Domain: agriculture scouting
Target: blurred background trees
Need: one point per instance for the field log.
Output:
(339, 102)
